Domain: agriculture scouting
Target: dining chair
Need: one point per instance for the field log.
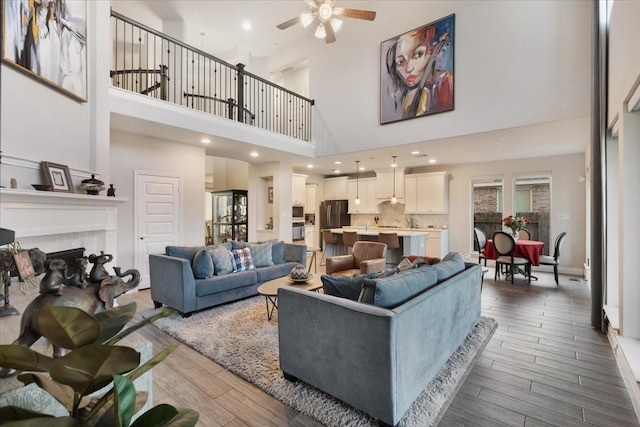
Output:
(481, 242)
(524, 234)
(555, 259)
(392, 241)
(329, 242)
(348, 239)
(505, 247)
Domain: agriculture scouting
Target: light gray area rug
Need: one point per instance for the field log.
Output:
(239, 337)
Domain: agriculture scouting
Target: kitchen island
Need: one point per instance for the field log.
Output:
(411, 242)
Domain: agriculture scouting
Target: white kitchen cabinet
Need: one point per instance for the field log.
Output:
(298, 190)
(309, 236)
(385, 183)
(437, 243)
(366, 189)
(311, 203)
(336, 188)
(427, 193)
(410, 196)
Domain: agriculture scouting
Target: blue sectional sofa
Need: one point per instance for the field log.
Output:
(379, 356)
(190, 279)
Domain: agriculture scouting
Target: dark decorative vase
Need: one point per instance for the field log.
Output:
(111, 191)
(92, 186)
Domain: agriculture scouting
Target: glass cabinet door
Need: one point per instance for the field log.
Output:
(230, 215)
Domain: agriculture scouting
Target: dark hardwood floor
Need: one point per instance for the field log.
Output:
(544, 366)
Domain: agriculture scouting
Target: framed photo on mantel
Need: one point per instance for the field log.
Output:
(57, 176)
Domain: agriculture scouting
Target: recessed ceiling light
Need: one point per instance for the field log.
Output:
(254, 154)
(336, 171)
(415, 153)
(310, 166)
(362, 168)
(432, 160)
(205, 141)
(337, 163)
(246, 25)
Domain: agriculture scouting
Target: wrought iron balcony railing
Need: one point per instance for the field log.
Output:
(151, 63)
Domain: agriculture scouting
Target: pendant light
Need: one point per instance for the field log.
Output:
(394, 199)
(357, 183)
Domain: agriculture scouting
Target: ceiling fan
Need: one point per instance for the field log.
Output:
(326, 14)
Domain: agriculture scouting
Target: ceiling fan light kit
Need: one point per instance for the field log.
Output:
(326, 13)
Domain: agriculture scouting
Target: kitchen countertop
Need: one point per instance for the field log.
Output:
(392, 229)
(374, 231)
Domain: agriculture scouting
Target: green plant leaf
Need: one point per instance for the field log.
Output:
(124, 400)
(113, 320)
(62, 393)
(67, 327)
(167, 415)
(132, 376)
(90, 368)
(163, 313)
(23, 359)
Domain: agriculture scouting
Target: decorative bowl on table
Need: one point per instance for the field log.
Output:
(299, 274)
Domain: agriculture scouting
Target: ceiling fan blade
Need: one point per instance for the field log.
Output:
(330, 34)
(368, 15)
(289, 23)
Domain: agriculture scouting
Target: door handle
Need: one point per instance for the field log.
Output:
(143, 237)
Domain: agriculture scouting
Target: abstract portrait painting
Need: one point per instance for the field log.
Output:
(416, 72)
(48, 41)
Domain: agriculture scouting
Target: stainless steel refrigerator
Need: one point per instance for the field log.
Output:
(333, 214)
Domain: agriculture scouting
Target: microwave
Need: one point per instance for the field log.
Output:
(297, 212)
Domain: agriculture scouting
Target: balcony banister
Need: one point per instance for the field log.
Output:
(137, 24)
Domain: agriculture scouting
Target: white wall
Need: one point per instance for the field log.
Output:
(129, 153)
(624, 61)
(516, 63)
(567, 197)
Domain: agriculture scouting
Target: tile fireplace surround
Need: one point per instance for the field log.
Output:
(57, 221)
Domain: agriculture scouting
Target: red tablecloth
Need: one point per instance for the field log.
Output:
(529, 249)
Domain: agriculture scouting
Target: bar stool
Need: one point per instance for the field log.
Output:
(348, 239)
(392, 241)
(329, 241)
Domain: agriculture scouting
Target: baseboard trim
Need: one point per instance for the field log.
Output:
(625, 369)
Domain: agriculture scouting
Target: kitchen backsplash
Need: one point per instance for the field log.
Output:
(393, 215)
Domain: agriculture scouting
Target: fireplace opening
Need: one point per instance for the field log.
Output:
(68, 255)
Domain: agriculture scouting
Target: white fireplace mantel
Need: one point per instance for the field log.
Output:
(43, 213)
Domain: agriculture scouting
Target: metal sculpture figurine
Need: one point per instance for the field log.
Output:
(96, 296)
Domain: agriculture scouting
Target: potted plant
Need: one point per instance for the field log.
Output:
(93, 362)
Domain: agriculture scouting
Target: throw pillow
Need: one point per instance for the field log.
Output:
(237, 245)
(243, 260)
(277, 252)
(261, 254)
(221, 261)
(202, 265)
(344, 287)
(451, 264)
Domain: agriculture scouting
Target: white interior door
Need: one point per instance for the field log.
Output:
(158, 215)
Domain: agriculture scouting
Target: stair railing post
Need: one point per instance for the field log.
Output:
(240, 92)
(164, 81)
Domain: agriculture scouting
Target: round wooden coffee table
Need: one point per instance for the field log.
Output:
(270, 290)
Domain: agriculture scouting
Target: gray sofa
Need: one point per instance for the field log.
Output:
(379, 359)
(174, 284)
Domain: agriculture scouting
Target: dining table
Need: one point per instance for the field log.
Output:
(529, 249)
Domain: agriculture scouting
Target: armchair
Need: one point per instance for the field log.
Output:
(367, 257)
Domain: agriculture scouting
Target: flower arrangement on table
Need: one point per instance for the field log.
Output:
(515, 223)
